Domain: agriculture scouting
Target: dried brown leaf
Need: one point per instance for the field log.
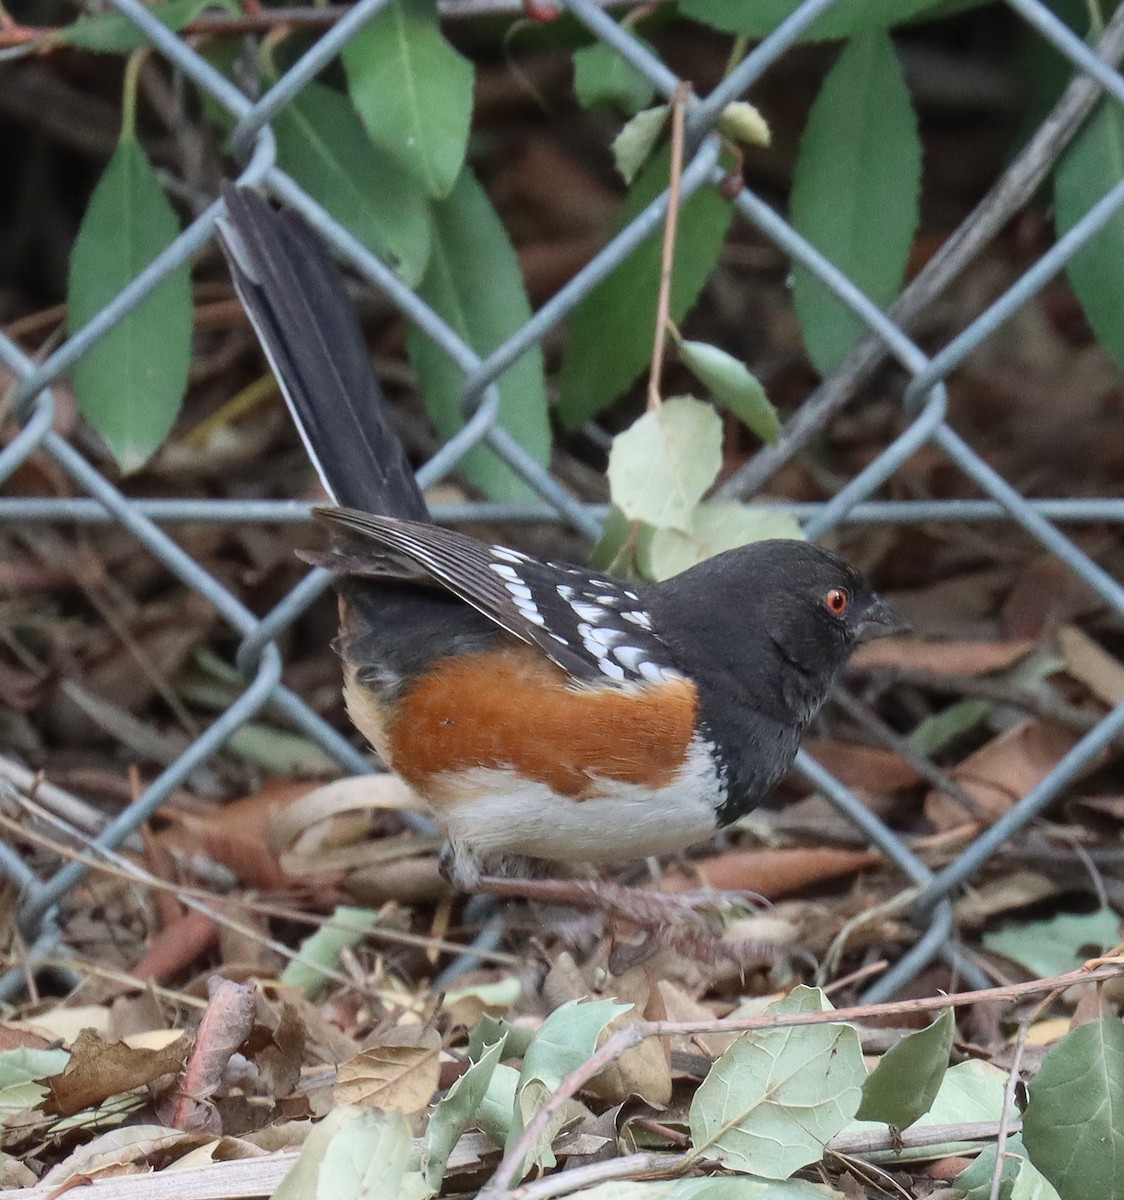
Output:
(1091, 664)
(645, 1070)
(1000, 773)
(869, 768)
(226, 1024)
(399, 1075)
(98, 1069)
(950, 658)
(177, 946)
(774, 873)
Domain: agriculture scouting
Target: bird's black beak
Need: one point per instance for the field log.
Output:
(880, 620)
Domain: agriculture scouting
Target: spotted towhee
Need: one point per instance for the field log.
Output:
(541, 710)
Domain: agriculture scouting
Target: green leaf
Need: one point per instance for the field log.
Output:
(565, 1041)
(1074, 1124)
(734, 386)
(413, 91)
(903, 1086)
(356, 1154)
(970, 1092)
(114, 33)
(750, 1189)
(497, 1109)
(975, 1180)
(601, 76)
(453, 1113)
(19, 1069)
(716, 526)
(758, 18)
(776, 1097)
(611, 329)
(1031, 1184)
(613, 539)
(855, 192)
(935, 732)
(514, 1039)
(322, 143)
(1056, 945)
(473, 281)
(279, 751)
(708, 1189)
(345, 929)
(661, 466)
(1092, 165)
(129, 385)
(633, 146)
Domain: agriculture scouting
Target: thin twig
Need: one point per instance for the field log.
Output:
(667, 250)
(1010, 193)
(651, 1165)
(869, 1142)
(1008, 1108)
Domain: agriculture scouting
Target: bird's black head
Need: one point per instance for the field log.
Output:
(777, 619)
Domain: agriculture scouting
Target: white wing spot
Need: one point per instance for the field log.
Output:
(559, 639)
(611, 669)
(632, 595)
(606, 638)
(565, 592)
(640, 619)
(506, 555)
(587, 611)
(606, 599)
(654, 673)
(529, 612)
(520, 591)
(509, 573)
(630, 657)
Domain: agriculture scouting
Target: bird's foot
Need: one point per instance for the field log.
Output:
(688, 922)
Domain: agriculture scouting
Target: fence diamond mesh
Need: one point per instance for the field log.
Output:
(153, 523)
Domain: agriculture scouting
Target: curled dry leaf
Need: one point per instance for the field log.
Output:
(226, 1024)
(1000, 773)
(328, 829)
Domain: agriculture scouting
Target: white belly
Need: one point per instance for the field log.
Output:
(489, 811)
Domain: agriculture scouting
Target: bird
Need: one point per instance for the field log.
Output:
(545, 713)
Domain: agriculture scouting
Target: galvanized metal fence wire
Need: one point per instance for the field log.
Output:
(153, 522)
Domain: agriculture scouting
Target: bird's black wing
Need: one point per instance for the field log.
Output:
(595, 629)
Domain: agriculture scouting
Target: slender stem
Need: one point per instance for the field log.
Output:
(667, 252)
(129, 94)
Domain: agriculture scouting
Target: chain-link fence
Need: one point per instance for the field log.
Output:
(153, 522)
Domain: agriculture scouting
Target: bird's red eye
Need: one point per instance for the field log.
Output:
(837, 601)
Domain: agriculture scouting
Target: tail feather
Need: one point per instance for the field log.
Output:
(295, 298)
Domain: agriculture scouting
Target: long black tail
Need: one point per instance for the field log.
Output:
(295, 298)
